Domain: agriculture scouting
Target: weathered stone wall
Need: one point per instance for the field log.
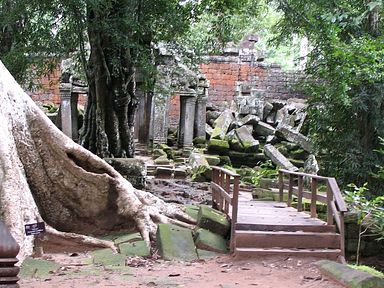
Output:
(226, 73)
(236, 76)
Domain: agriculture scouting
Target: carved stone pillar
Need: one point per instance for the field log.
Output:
(201, 107)
(68, 110)
(187, 118)
(159, 119)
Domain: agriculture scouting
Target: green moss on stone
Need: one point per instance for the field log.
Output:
(213, 220)
(207, 240)
(218, 146)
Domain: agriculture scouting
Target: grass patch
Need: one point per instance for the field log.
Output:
(368, 269)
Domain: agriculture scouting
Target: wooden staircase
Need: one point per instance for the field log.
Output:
(284, 231)
(275, 228)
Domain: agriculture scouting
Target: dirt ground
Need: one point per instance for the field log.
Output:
(221, 271)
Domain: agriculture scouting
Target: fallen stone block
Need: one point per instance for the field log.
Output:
(213, 220)
(162, 160)
(278, 159)
(163, 173)
(249, 120)
(192, 210)
(218, 146)
(180, 173)
(248, 143)
(248, 159)
(212, 160)
(107, 258)
(264, 129)
(222, 124)
(293, 136)
(137, 248)
(175, 243)
(206, 240)
(348, 276)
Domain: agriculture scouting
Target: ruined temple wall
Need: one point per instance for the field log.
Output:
(225, 73)
(231, 76)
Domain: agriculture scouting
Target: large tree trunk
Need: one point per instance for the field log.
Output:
(43, 173)
(112, 103)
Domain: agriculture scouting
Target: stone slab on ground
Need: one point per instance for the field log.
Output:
(37, 268)
(192, 211)
(348, 276)
(175, 243)
(136, 248)
(206, 240)
(106, 257)
(213, 220)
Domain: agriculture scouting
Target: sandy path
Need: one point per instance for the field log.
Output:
(223, 271)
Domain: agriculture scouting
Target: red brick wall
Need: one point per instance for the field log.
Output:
(49, 91)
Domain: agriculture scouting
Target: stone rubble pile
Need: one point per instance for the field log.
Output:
(260, 131)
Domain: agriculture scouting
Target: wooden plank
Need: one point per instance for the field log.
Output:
(331, 254)
(286, 227)
(267, 239)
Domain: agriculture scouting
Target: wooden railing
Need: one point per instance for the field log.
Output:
(225, 195)
(333, 198)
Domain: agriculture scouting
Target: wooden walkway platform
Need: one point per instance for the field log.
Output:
(269, 227)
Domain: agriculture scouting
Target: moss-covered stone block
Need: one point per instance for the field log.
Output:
(162, 160)
(37, 268)
(225, 160)
(156, 153)
(213, 160)
(106, 257)
(218, 146)
(210, 241)
(348, 276)
(204, 254)
(127, 237)
(199, 140)
(175, 243)
(261, 193)
(213, 220)
(192, 211)
(136, 248)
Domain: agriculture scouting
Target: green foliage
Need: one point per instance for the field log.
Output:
(345, 83)
(368, 269)
(212, 32)
(265, 170)
(370, 213)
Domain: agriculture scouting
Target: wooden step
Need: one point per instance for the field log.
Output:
(286, 227)
(282, 239)
(331, 254)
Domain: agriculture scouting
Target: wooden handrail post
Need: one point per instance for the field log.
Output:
(290, 190)
(342, 234)
(300, 194)
(235, 204)
(313, 197)
(281, 186)
(329, 208)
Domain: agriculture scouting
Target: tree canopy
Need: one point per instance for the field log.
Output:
(345, 82)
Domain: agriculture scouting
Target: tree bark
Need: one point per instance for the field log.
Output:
(112, 103)
(44, 174)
